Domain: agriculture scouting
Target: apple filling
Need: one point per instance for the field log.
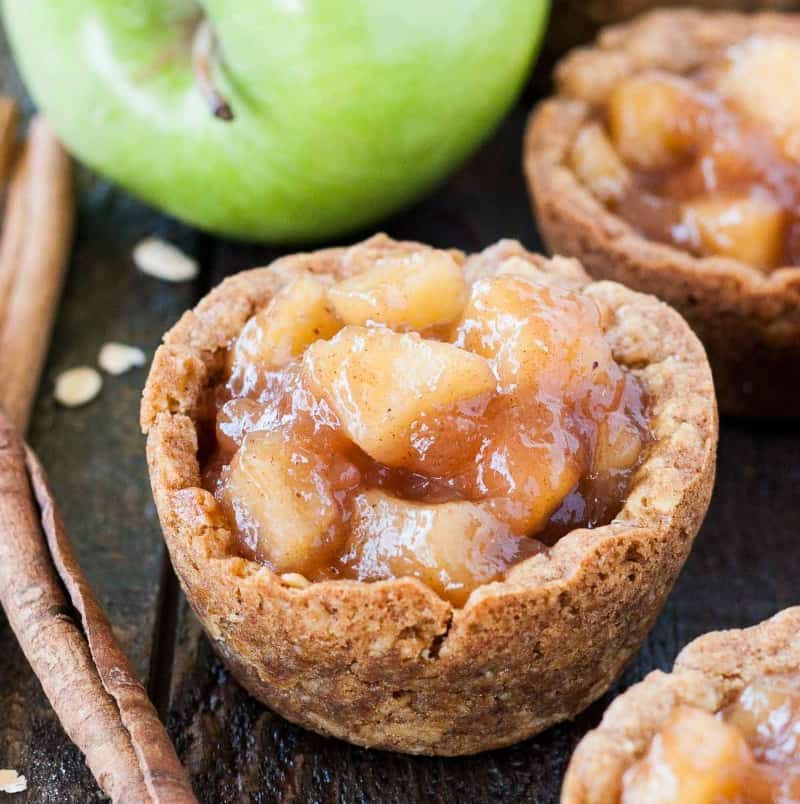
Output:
(708, 162)
(749, 752)
(403, 422)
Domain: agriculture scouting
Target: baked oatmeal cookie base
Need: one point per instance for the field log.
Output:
(389, 664)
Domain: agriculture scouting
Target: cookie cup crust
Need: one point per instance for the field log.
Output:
(749, 321)
(708, 674)
(390, 664)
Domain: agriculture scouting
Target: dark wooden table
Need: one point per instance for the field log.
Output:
(744, 566)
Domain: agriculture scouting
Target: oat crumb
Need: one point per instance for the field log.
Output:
(295, 580)
(117, 358)
(77, 386)
(162, 260)
(12, 782)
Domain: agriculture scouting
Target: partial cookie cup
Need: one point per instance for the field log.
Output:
(708, 674)
(748, 321)
(389, 664)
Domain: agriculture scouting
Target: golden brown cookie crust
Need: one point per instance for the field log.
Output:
(749, 321)
(709, 673)
(389, 664)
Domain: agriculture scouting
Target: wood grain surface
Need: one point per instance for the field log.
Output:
(742, 570)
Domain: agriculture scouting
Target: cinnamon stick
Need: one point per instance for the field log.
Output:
(12, 226)
(37, 233)
(101, 704)
(9, 117)
(61, 628)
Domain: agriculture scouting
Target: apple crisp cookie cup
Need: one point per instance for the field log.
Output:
(709, 674)
(748, 320)
(389, 663)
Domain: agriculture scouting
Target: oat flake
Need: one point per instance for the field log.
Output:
(12, 782)
(117, 358)
(77, 386)
(162, 260)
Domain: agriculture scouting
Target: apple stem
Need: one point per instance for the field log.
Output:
(204, 49)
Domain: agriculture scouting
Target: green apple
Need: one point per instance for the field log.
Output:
(343, 111)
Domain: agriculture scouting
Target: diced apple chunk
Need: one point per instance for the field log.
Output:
(405, 291)
(518, 266)
(282, 503)
(526, 466)
(535, 336)
(590, 74)
(791, 144)
(598, 165)
(761, 80)
(300, 314)
(767, 711)
(452, 547)
(650, 119)
(704, 760)
(379, 382)
(749, 228)
(619, 444)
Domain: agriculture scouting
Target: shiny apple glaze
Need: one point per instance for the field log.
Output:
(536, 459)
(749, 752)
(745, 161)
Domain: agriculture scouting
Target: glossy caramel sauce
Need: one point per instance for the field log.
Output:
(748, 753)
(376, 453)
(712, 159)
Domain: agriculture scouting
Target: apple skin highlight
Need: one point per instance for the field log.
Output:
(343, 112)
